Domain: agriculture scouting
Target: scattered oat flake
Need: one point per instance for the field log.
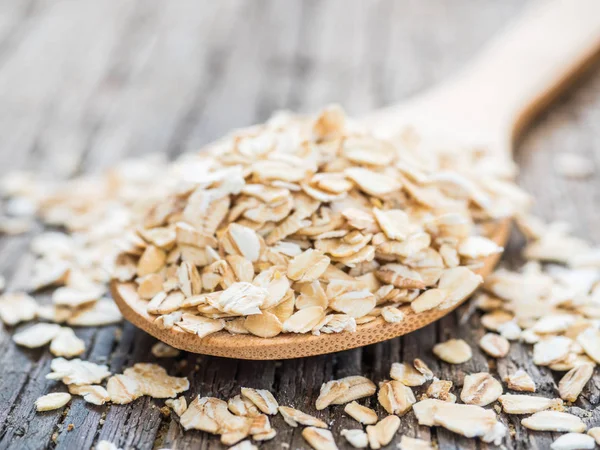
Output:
(527, 404)
(262, 399)
(453, 351)
(293, 417)
(440, 390)
(94, 394)
(573, 382)
(103, 312)
(344, 390)
(37, 335)
(178, 405)
(196, 417)
(425, 409)
(409, 443)
(361, 413)
(480, 389)
(49, 402)
(67, 344)
(356, 438)
(319, 439)
(573, 441)
(266, 436)
(494, 345)
(154, 381)
(495, 319)
(551, 350)
(242, 406)
(554, 421)
(123, 389)
(407, 374)
(383, 432)
(590, 342)
(16, 307)
(395, 397)
(467, 420)
(423, 368)
(77, 372)
(520, 381)
(595, 433)
(74, 297)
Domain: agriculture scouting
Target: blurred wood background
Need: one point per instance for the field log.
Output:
(86, 83)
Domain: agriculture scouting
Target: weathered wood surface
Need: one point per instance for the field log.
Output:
(86, 83)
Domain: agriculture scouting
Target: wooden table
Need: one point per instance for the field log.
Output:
(85, 83)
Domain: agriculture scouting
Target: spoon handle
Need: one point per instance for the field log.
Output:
(519, 71)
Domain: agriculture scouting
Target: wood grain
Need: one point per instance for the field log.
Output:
(86, 83)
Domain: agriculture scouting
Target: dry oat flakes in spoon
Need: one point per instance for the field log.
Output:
(307, 225)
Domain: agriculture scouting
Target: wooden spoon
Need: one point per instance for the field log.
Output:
(491, 101)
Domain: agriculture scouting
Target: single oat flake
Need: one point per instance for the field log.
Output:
(440, 390)
(407, 374)
(16, 307)
(319, 439)
(467, 420)
(77, 372)
(480, 389)
(453, 351)
(262, 399)
(383, 432)
(67, 344)
(293, 417)
(178, 405)
(409, 443)
(37, 336)
(395, 397)
(573, 441)
(527, 404)
(494, 345)
(361, 413)
(573, 382)
(356, 438)
(94, 394)
(595, 433)
(49, 402)
(554, 421)
(344, 390)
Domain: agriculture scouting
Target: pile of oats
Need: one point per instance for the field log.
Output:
(310, 225)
